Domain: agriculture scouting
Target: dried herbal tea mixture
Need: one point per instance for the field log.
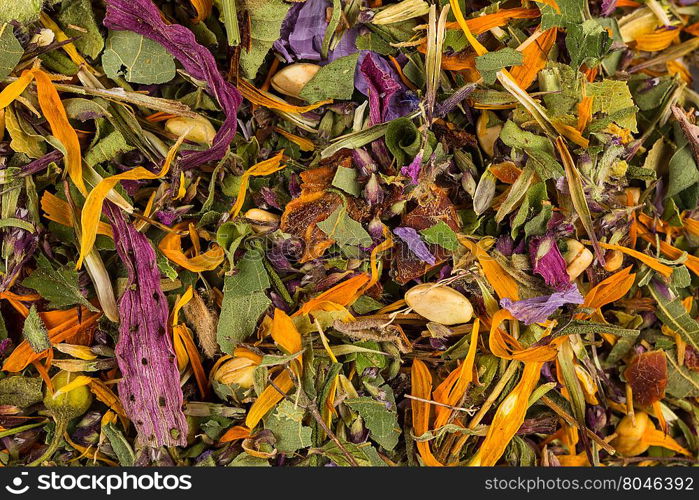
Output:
(260, 232)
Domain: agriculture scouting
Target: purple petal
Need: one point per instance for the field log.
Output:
(143, 17)
(303, 30)
(413, 170)
(415, 244)
(376, 79)
(150, 386)
(607, 7)
(538, 309)
(548, 262)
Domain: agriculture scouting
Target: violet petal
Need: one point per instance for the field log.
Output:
(538, 309)
(415, 244)
(150, 386)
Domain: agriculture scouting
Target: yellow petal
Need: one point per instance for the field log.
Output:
(508, 418)
(269, 398)
(79, 381)
(92, 209)
(266, 167)
(15, 89)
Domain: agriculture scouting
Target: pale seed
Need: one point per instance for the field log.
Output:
(291, 79)
(439, 303)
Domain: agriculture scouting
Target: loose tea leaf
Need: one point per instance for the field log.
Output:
(327, 233)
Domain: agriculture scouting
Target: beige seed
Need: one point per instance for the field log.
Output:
(197, 129)
(259, 215)
(578, 258)
(440, 304)
(291, 79)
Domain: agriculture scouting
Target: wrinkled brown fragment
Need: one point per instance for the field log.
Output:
(647, 376)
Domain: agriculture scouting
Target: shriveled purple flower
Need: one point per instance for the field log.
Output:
(150, 385)
(453, 100)
(303, 30)
(415, 244)
(413, 169)
(376, 79)
(373, 193)
(167, 217)
(143, 17)
(538, 309)
(548, 262)
(607, 7)
(505, 245)
(41, 163)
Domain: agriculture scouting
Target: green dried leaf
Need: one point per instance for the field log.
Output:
(610, 96)
(346, 179)
(266, 17)
(79, 13)
(347, 232)
(587, 43)
(441, 234)
(58, 286)
(10, 49)
(381, 421)
(489, 64)
(120, 445)
(332, 81)
(34, 331)
(137, 59)
(20, 391)
(286, 423)
(244, 301)
(673, 314)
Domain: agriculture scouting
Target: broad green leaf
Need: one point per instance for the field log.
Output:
(137, 59)
(587, 43)
(58, 286)
(683, 175)
(441, 234)
(517, 191)
(79, 13)
(286, 423)
(20, 391)
(24, 11)
(332, 81)
(10, 49)
(381, 421)
(610, 96)
(681, 382)
(569, 12)
(346, 179)
(347, 232)
(538, 148)
(34, 331)
(266, 17)
(582, 327)
(244, 301)
(23, 140)
(489, 64)
(364, 454)
(107, 149)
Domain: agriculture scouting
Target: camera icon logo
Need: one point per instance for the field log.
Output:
(16, 488)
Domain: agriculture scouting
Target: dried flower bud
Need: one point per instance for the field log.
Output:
(629, 441)
(70, 404)
(239, 370)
